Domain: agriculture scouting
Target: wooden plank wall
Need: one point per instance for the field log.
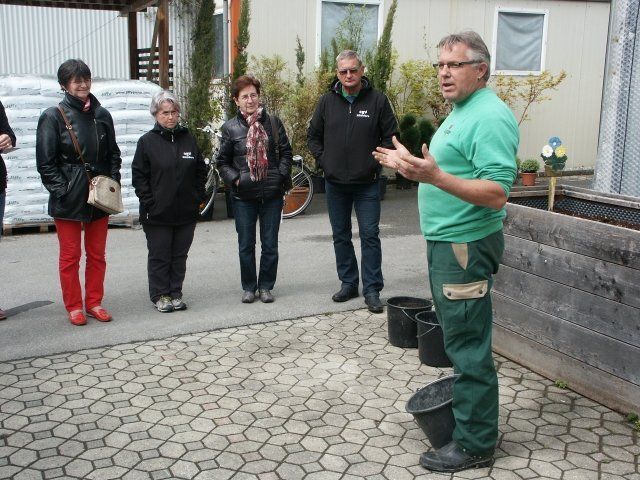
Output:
(567, 303)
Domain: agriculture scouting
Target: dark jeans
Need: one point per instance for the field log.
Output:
(167, 262)
(341, 199)
(3, 197)
(247, 213)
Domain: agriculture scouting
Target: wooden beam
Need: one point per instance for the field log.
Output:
(137, 6)
(234, 14)
(152, 49)
(163, 37)
(132, 26)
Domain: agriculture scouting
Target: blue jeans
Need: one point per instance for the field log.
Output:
(341, 199)
(3, 197)
(247, 213)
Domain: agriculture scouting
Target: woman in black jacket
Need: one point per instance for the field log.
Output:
(256, 167)
(7, 141)
(168, 174)
(66, 179)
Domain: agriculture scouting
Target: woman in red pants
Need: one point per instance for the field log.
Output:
(63, 174)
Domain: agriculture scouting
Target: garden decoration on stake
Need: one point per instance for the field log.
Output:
(554, 155)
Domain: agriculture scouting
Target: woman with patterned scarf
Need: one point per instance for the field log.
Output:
(255, 162)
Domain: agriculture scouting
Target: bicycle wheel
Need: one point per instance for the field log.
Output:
(205, 211)
(298, 198)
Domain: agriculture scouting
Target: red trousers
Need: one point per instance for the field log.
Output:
(95, 241)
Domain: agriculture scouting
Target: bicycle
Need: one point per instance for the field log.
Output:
(205, 210)
(299, 196)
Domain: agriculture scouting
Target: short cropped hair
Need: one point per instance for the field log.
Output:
(478, 49)
(70, 69)
(243, 82)
(161, 97)
(345, 54)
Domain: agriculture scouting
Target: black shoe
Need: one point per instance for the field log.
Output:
(265, 296)
(345, 293)
(373, 303)
(248, 296)
(453, 458)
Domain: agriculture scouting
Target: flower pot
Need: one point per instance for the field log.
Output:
(529, 178)
(295, 199)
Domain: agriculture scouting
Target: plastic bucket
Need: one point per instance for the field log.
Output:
(431, 408)
(430, 340)
(401, 320)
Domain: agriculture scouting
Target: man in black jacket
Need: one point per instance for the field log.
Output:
(350, 121)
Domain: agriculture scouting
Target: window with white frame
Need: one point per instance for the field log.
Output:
(332, 12)
(218, 46)
(519, 41)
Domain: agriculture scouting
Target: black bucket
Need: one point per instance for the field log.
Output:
(401, 320)
(430, 340)
(432, 410)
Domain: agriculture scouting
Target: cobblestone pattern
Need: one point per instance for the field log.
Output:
(317, 398)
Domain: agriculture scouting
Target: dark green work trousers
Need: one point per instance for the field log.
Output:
(460, 275)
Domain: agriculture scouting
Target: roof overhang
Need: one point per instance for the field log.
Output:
(122, 6)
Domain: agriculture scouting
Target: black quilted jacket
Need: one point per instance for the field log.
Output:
(60, 167)
(232, 161)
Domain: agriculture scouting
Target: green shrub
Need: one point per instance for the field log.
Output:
(531, 165)
(199, 107)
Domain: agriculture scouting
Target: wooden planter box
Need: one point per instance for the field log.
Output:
(567, 296)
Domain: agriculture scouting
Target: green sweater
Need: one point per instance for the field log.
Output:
(479, 139)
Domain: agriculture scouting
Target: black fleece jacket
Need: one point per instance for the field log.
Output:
(168, 174)
(4, 129)
(59, 165)
(232, 159)
(343, 135)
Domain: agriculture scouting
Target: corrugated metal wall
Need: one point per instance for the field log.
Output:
(37, 40)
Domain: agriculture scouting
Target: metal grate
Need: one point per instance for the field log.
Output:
(604, 212)
(618, 164)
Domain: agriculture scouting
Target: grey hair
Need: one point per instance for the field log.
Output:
(343, 55)
(161, 97)
(477, 48)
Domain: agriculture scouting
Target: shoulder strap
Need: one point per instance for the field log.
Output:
(74, 139)
(276, 136)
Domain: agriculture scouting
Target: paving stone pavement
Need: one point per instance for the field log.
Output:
(315, 398)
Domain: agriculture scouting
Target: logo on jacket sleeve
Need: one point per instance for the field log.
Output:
(187, 156)
(363, 114)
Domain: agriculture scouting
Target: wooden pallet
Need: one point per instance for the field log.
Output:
(130, 221)
(9, 230)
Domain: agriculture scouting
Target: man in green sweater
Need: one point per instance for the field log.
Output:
(465, 180)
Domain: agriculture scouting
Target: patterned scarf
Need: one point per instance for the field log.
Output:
(257, 142)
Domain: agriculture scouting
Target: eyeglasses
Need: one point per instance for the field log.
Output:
(454, 65)
(251, 96)
(352, 71)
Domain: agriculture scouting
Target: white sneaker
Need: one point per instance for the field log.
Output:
(178, 304)
(164, 304)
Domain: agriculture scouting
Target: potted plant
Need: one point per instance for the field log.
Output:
(529, 172)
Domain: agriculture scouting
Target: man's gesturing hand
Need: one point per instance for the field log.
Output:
(418, 169)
